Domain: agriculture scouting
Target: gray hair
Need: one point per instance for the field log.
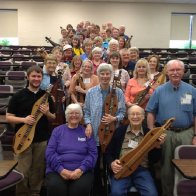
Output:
(85, 61)
(97, 49)
(138, 107)
(73, 107)
(104, 67)
(113, 41)
(181, 63)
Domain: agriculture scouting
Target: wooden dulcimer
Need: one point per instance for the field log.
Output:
(160, 78)
(134, 157)
(25, 134)
(106, 132)
(80, 96)
(58, 93)
(140, 97)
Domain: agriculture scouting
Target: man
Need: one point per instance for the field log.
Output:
(124, 139)
(122, 32)
(31, 161)
(173, 99)
(94, 109)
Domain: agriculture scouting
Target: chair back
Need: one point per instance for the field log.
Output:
(183, 186)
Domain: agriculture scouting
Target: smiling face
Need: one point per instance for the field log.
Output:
(87, 67)
(175, 71)
(115, 61)
(104, 78)
(135, 115)
(34, 79)
(74, 117)
(153, 63)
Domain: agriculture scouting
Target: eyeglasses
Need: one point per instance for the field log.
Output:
(135, 114)
(74, 114)
(174, 70)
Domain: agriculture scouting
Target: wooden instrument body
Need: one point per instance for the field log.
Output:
(133, 159)
(128, 42)
(106, 131)
(25, 134)
(80, 96)
(160, 78)
(58, 93)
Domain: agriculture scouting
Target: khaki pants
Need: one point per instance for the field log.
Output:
(31, 163)
(173, 140)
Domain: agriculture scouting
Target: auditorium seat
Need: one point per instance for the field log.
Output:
(17, 79)
(26, 64)
(4, 98)
(184, 186)
(192, 79)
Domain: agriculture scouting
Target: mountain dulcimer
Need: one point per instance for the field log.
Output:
(134, 157)
(25, 134)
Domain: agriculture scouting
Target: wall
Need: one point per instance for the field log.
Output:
(148, 23)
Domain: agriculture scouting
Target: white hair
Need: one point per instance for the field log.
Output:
(73, 107)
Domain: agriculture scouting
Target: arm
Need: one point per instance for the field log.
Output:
(90, 160)
(11, 118)
(150, 120)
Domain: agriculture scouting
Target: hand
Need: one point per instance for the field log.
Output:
(116, 166)
(63, 99)
(66, 174)
(79, 89)
(107, 119)
(76, 174)
(88, 131)
(161, 140)
(44, 108)
(194, 140)
(29, 120)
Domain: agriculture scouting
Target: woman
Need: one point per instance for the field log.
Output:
(77, 50)
(76, 64)
(70, 157)
(138, 83)
(58, 53)
(115, 61)
(96, 58)
(153, 61)
(80, 83)
(122, 42)
(88, 45)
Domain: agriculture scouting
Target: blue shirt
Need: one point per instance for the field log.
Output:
(167, 102)
(46, 80)
(93, 108)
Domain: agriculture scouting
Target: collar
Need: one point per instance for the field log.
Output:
(141, 132)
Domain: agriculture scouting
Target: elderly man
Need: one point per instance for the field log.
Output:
(125, 138)
(94, 109)
(173, 99)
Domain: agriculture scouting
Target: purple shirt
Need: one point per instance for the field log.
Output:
(70, 149)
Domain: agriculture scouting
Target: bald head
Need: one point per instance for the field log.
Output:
(136, 108)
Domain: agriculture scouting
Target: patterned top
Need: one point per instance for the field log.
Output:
(93, 108)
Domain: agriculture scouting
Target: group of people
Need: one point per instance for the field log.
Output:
(96, 82)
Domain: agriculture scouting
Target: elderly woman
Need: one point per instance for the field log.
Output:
(70, 157)
(122, 74)
(81, 82)
(138, 83)
(96, 58)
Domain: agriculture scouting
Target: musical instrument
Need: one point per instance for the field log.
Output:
(128, 42)
(106, 132)
(25, 134)
(51, 42)
(140, 97)
(42, 52)
(134, 157)
(58, 93)
(118, 82)
(160, 78)
(79, 82)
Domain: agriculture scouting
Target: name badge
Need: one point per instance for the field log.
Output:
(132, 144)
(87, 80)
(81, 139)
(186, 99)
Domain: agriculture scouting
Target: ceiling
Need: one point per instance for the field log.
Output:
(129, 1)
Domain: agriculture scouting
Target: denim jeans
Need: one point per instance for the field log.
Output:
(141, 179)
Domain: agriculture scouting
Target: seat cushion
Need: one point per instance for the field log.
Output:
(186, 188)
